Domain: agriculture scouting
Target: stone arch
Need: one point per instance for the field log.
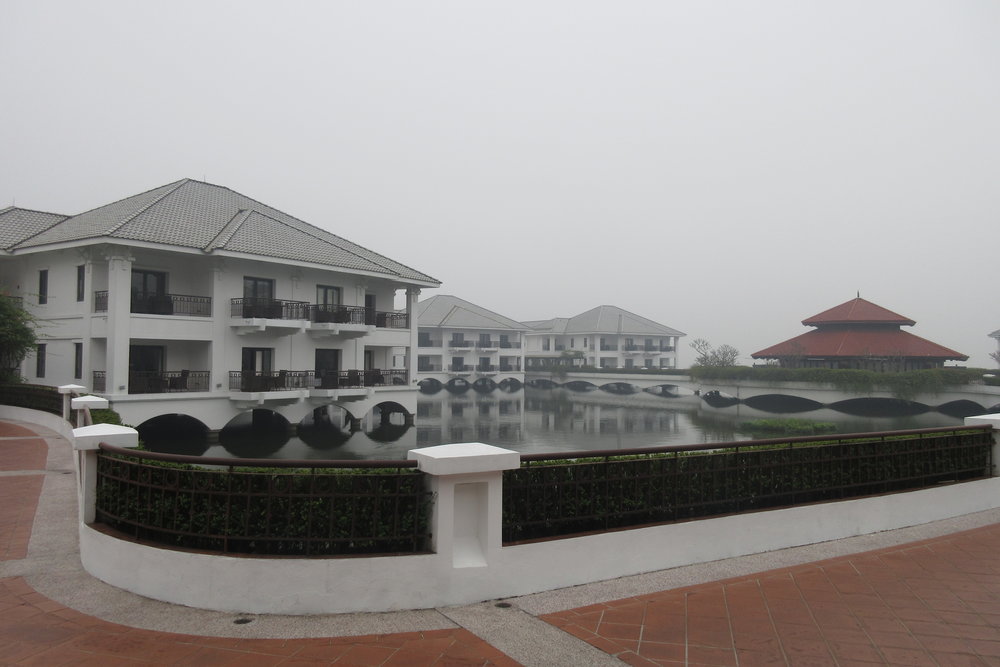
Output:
(255, 433)
(185, 435)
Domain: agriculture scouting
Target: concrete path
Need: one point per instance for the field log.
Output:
(923, 595)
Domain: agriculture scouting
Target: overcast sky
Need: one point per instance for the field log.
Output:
(725, 168)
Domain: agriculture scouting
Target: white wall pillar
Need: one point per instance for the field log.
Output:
(119, 322)
(467, 482)
(994, 420)
(86, 441)
(412, 295)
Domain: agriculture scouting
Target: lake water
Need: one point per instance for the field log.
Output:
(537, 421)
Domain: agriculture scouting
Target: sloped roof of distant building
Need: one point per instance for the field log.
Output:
(852, 343)
(18, 224)
(445, 310)
(857, 311)
(615, 320)
(198, 215)
(557, 325)
(995, 334)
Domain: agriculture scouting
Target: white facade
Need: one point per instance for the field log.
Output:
(460, 341)
(158, 326)
(603, 337)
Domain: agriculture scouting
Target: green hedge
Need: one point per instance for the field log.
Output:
(33, 397)
(557, 498)
(320, 511)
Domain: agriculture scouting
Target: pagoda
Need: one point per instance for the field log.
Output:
(861, 335)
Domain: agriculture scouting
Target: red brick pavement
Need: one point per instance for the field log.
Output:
(35, 630)
(935, 602)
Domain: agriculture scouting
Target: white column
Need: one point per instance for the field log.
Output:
(86, 441)
(467, 482)
(412, 295)
(119, 322)
(994, 420)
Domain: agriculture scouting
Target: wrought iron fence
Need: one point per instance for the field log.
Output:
(161, 382)
(33, 396)
(270, 380)
(553, 495)
(274, 309)
(152, 303)
(265, 507)
(100, 381)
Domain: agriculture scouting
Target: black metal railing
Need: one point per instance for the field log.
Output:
(100, 381)
(608, 348)
(508, 368)
(460, 368)
(461, 343)
(254, 381)
(171, 304)
(151, 303)
(161, 382)
(336, 314)
(562, 494)
(315, 508)
(32, 396)
(486, 368)
(429, 368)
(484, 344)
(271, 309)
(506, 345)
(428, 343)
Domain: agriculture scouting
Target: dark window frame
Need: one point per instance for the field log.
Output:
(43, 287)
(40, 350)
(81, 281)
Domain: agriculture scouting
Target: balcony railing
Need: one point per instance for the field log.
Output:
(255, 381)
(464, 344)
(486, 368)
(271, 309)
(429, 343)
(281, 309)
(149, 303)
(429, 368)
(100, 382)
(508, 368)
(506, 345)
(167, 381)
(460, 368)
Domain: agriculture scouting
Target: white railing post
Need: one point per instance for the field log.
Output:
(68, 391)
(86, 441)
(995, 421)
(467, 481)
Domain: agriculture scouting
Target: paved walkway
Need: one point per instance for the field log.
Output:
(928, 595)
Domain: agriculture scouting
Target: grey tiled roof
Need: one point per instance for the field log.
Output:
(603, 319)
(193, 214)
(444, 310)
(18, 224)
(995, 334)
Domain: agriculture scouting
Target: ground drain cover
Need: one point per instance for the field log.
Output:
(243, 621)
(503, 605)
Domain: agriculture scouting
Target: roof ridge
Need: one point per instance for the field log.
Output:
(145, 208)
(231, 227)
(64, 218)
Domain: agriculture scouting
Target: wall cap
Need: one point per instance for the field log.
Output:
(90, 437)
(464, 458)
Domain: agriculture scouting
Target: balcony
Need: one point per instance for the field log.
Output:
(429, 368)
(509, 368)
(428, 343)
(338, 314)
(268, 309)
(461, 344)
(460, 369)
(265, 381)
(486, 369)
(608, 348)
(158, 382)
(506, 345)
(487, 345)
(151, 303)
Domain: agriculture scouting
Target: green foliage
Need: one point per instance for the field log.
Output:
(790, 427)
(905, 385)
(274, 511)
(106, 416)
(722, 356)
(33, 397)
(558, 497)
(17, 337)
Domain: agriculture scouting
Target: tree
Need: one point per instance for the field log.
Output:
(995, 356)
(17, 337)
(724, 355)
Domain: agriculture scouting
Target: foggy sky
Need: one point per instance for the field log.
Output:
(725, 168)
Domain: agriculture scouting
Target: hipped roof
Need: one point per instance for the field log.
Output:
(604, 320)
(444, 310)
(211, 218)
(858, 343)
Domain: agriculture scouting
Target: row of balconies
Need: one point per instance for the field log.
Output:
(254, 381)
(473, 344)
(255, 308)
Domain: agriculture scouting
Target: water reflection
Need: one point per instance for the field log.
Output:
(532, 420)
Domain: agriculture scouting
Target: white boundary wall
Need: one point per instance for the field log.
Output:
(469, 565)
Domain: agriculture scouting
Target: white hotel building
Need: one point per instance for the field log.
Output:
(602, 337)
(194, 299)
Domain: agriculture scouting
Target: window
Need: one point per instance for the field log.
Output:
(327, 295)
(424, 339)
(81, 278)
(77, 361)
(258, 288)
(146, 283)
(43, 288)
(40, 360)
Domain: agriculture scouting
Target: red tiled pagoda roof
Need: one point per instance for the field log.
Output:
(859, 342)
(857, 311)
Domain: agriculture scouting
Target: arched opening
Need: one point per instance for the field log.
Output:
(327, 427)
(390, 422)
(258, 433)
(174, 434)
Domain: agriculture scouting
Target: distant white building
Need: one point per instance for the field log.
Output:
(458, 339)
(603, 337)
(194, 299)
